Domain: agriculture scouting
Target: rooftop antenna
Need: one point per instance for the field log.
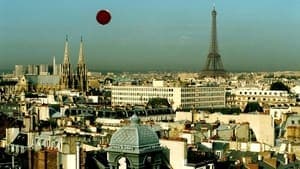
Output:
(214, 4)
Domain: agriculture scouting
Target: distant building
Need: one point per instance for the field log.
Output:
(42, 73)
(19, 70)
(261, 124)
(43, 82)
(265, 97)
(178, 97)
(43, 69)
(32, 69)
(7, 87)
(290, 130)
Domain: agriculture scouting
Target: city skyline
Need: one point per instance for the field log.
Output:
(152, 35)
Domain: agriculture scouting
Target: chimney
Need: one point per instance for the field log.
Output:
(31, 123)
(77, 155)
(259, 157)
(286, 159)
(289, 148)
(244, 160)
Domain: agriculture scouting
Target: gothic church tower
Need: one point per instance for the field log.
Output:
(81, 72)
(66, 74)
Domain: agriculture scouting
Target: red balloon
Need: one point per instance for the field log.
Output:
(103, 17)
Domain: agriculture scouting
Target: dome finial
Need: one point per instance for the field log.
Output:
(135, 120)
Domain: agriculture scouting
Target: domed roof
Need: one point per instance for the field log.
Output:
(134, 138)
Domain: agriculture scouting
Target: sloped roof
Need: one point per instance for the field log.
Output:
(57, 115)
(21, 139)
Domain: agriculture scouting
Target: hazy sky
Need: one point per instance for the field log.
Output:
(152, 34)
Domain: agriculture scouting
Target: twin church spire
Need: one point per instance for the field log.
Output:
(66, 53)
(79, 79)
(81, 56)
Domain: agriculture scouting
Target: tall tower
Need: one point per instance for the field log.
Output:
(81, 76)
(66, 76)
(54, 72)
(214, 66)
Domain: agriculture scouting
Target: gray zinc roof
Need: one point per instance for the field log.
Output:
(134, 138)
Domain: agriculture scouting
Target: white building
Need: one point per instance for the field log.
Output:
(296, 90)
(277, 112)
(178, 97)
(265, 97)
(261, 124)
(178, 155)
(19, 70)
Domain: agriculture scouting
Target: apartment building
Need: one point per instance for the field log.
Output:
(178, 97)
(242, 96)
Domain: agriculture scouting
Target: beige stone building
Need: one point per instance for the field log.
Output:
(261, 124)
(240, 97)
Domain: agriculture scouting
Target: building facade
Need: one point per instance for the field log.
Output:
(178, 97)
(263, 97)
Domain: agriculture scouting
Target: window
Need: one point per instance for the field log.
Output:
(219, 154)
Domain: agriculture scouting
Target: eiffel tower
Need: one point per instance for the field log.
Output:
(214, 66)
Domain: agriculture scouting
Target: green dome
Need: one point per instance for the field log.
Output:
(134, 138)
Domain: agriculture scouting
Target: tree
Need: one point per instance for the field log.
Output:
(279, 86)
(158, 102)
(253, 107)
(53, 124)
